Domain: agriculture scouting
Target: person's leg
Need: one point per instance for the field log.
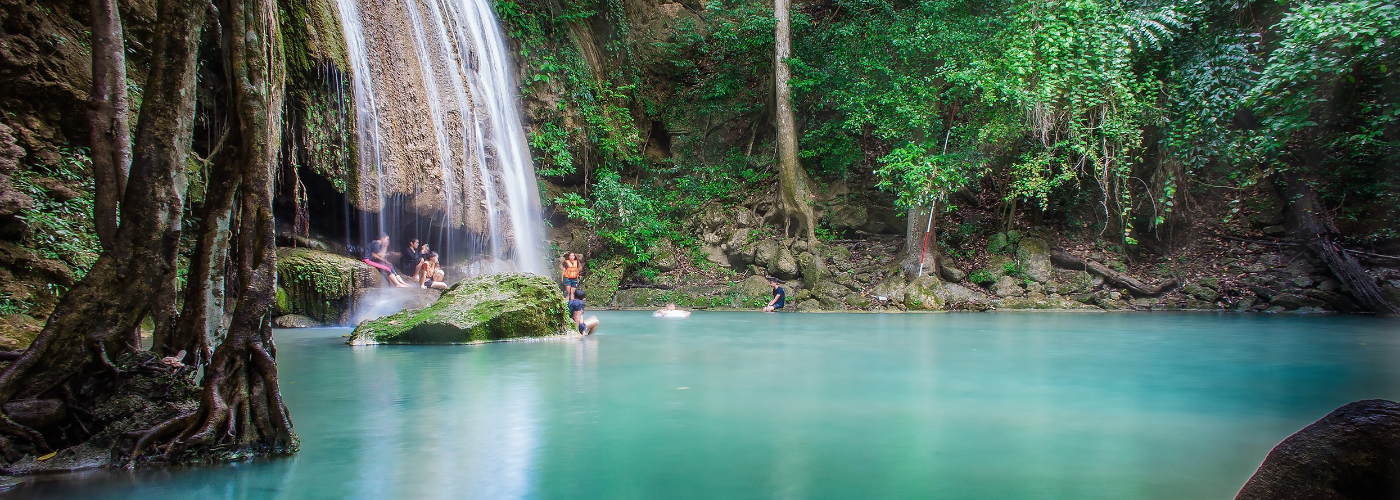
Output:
(590, 325)
(438, 275)
(438, 285)
(767, 309)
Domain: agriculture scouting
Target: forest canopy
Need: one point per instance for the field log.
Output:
(1117, 116)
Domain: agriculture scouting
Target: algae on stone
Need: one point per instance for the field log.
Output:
(320, 285)
(484, 308)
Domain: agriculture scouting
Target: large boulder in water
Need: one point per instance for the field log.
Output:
(1352, 453)
(491, 307)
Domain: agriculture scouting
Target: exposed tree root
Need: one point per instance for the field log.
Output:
(1315, 228)
(1067, 260)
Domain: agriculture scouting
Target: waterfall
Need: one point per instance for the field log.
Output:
(439, 130)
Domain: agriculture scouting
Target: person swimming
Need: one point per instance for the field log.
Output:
(670, 311)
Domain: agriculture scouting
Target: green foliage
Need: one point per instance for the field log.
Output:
(61, 230)
(553, 142)
(1326, 48)
(629, 217)
(10, 306)
(1327, 109)
(591, 113)
(981, 277)
(1102, 113)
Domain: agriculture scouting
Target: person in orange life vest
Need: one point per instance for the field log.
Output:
(571, 268)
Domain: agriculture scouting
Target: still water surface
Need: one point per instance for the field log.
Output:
(749, 405)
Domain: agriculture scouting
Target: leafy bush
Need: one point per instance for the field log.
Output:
(10, 306)
(628, 217)
(981, 277)
(61, 230)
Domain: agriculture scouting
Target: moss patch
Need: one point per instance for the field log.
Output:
(320, 285)
(485, 308)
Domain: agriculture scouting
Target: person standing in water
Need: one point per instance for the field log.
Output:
(429, 274)
(570, 268)
(779, 297)
(576, 306)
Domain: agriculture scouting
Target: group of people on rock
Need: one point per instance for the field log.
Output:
(427, 270)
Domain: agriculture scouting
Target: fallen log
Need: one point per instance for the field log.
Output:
(1066, 260)
(1318, 232)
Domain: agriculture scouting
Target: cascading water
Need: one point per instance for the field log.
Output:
(440, 132)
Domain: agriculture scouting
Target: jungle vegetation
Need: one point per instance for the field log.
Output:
(1117, 116)
(1122, 118)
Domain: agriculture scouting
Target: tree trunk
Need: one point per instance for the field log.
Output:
(109, 131)
(793, 184)
(1315, 228)
(1067, 260)
(917, 248)
(92, 322)
(203, 320)
(241, 408)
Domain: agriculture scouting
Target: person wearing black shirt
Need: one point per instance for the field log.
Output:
(412, 256)
(779, 297)
(585, 326)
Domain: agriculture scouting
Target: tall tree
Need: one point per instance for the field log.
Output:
(241, 408)
(92, 322)
(794, 186)
(108, 127)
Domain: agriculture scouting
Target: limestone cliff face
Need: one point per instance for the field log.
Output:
(435, 146)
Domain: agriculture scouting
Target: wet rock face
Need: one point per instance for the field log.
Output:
(484, 308)
(1352, 453)
(321, 286)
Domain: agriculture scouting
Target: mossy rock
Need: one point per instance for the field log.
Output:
(320, 285)
(1034, 256)
(924, 294)
(485, 308)
(600, 282)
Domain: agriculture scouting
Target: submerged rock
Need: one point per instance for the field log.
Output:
(492, 307)
(1352, 453)
(294, 321)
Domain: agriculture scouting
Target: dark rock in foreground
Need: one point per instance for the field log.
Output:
(1352, 453)
(484, 308)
